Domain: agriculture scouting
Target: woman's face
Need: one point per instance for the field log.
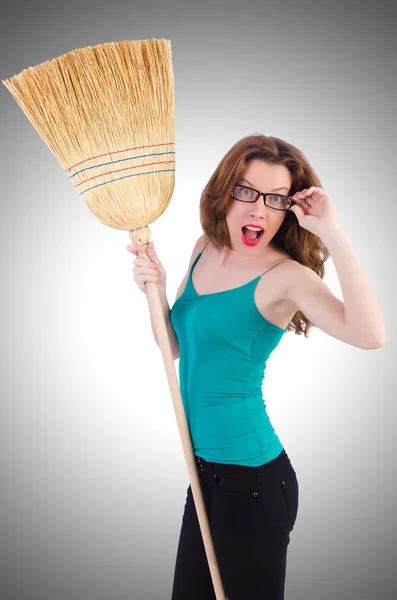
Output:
(265, 177)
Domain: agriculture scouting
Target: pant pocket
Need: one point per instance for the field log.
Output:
(289, 485)
(237, 482)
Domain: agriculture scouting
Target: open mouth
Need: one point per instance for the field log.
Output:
(251, 238)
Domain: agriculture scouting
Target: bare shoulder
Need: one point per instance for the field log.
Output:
(294, 270)
(289, 265)
(288, 270)
(289, 276)
(286, 265)
(282, 269)
(197, 248)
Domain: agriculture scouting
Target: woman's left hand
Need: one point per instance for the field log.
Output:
(314, 210)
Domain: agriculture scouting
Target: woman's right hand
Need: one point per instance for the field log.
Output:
(147, 268)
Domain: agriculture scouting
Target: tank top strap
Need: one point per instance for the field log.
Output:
(196, 261)
(205, 247)
(284, 259)
(198, 257)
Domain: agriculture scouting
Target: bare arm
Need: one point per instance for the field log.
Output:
(170, 330)
(358, 320)
(199, 245)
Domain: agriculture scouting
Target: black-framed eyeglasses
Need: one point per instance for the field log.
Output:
(247, 194)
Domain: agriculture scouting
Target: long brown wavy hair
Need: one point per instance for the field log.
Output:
(302, 245)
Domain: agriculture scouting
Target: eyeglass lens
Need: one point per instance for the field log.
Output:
(245, 194)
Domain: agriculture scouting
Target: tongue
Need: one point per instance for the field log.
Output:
(250, 235)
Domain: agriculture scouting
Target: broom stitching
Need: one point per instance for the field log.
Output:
(125, 177)
(162, 162)
(118, 160)
(115, 152)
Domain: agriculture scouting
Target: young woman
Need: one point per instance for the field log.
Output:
(254, 274)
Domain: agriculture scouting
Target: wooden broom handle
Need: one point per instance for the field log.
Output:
(165, 347)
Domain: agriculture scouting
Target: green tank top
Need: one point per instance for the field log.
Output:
(224, 344)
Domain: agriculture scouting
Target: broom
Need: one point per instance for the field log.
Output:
(107, 114)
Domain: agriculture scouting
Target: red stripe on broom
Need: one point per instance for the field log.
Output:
(116, 152)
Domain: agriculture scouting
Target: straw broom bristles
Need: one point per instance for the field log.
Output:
(107, 114)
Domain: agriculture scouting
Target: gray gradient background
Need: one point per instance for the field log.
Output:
(92, 472)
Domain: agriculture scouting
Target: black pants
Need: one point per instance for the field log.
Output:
(251, 512)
